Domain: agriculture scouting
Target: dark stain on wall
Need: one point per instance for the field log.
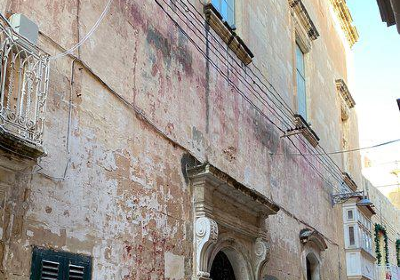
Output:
(188, 161)
(171, 48)
(265, 132)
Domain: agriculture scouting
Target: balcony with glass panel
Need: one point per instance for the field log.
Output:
(358, 240)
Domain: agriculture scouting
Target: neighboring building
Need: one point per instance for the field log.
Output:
(390, 12)
(358, 234)
(386, 230)
(182, 140)
(383, 171)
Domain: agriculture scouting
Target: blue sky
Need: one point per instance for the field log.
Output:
(376, 84)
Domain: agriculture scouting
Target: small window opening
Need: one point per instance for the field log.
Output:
(350, 215)
(351, 236)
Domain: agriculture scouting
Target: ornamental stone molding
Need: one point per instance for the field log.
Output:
(346, 99)
(206, 236)
(228, 217)
(302, 17)
(346, 21)
(261, 253)
(308, 236)
(344, 92)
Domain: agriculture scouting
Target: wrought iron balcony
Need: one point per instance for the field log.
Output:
(24, 79)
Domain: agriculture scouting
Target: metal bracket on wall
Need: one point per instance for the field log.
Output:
(343, 197)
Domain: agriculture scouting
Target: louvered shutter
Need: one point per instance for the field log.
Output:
(53, 265)
(79, 268)
(50, 270)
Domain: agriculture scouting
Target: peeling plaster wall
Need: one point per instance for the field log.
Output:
(124, 199)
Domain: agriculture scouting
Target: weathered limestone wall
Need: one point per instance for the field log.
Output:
(141, 99)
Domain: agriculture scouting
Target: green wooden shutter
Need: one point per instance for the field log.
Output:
(54, 265)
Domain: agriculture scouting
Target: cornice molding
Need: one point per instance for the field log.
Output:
(302, 14)
(346, 21)
(345, 93)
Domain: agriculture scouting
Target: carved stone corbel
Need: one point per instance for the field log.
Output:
(206, 235)
(261, 250)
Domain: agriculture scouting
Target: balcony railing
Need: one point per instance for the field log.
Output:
(387, 272)
(24, 79)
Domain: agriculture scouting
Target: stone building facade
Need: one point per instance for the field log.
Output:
(174, 141)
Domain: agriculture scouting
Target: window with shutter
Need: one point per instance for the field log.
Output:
(55, 265)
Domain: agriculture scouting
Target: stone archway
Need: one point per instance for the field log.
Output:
(311, 263)
(313, 245)
(312, 267)
(237, 255)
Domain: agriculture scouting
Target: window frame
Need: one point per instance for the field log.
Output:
(228, 6)
(301, 91)
(353, 231)
(352, 215)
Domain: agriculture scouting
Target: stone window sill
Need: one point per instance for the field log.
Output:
(227, 34)
(306, 130)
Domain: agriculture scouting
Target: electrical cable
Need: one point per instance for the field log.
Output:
(220, 57)
(366, 148)
(282, 101)
(87, 36)
(385, 186)
(332, 162)
(357, 149)
(335, 175)
(194, 43)
(187, 9)
(233, 59)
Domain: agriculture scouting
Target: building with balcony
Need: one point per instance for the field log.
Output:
(358, 234)
(177, 140)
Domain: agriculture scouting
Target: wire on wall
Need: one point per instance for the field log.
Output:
(87, 36)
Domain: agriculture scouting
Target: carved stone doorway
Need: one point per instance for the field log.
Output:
(221, 268)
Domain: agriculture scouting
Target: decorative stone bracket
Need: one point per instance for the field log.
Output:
(206, 236)
(346, 99)
(260, 255)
